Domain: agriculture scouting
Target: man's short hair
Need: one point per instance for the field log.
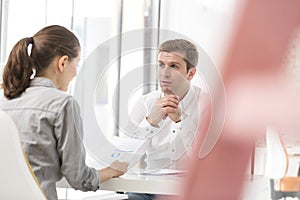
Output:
(183, 47)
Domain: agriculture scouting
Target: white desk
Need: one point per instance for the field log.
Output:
(130, 182)
(257, 188)
(154, 184)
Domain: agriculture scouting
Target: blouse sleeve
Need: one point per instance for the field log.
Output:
(71, 150)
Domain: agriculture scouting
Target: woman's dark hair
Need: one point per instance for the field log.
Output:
(47, 44)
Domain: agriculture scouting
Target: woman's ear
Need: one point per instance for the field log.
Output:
(191, 73)
(62, 61)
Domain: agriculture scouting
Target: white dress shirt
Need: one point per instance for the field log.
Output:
(170, 142)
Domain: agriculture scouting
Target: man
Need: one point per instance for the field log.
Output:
(170, 118)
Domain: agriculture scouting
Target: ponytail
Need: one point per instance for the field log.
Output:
(48, 43)
(18, 69)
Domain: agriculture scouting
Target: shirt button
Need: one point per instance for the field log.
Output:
(173, 131)
(173, 150)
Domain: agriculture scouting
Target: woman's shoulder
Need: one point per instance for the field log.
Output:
(47, 98)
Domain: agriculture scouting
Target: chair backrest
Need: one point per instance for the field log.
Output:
(17, 180)
(277, 158)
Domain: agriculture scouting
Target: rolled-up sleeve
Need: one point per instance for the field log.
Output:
(71, 150)
(137, 125)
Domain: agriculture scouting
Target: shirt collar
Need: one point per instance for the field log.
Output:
(40, 81)
(187, 98)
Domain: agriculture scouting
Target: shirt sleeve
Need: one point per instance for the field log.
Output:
(138, 126)
(71, 150)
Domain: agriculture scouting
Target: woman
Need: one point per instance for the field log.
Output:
(48, 119)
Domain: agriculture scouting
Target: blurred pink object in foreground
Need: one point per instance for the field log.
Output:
(258, 95)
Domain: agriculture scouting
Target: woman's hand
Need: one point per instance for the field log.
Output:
(119, 168)
(116, 169)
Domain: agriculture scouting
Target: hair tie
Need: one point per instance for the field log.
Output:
(31, 41)
(29, 46)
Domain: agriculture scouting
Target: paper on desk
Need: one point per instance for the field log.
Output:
(128, 144)
(128, 149)
(123, 149)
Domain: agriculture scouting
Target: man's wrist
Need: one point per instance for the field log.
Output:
(178, 121)
(151, 122)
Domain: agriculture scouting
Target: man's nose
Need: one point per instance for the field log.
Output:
(166, 72)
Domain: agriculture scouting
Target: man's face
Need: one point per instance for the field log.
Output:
(173, 75)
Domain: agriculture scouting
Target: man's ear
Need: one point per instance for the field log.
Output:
(62, 61)
(191, 73)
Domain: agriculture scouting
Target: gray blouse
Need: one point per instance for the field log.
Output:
(51, 132)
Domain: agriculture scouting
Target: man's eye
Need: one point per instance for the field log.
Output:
(174, 66)
(161, 65)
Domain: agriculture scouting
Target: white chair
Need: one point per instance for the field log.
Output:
(277, 167)
(277, 162)
(17, 180)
